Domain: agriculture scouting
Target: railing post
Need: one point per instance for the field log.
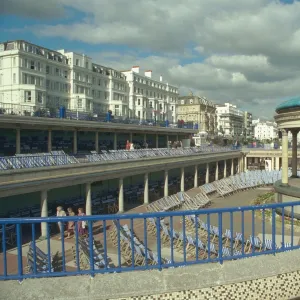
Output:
(20, 256)
(158, 242)
(220, 221)
(273, 231)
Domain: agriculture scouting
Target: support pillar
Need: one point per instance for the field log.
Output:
(121, 195)
(277, 166)
(146, 189)
(285, 159)
(225, 168)
(115, 141)
(88, 199)
(272, 163)
(196, 177)
(232, 167)
(44, 212)
(156, 141)
(182, 180)
(245, 163)
(217, 171)
(97, 141)
(166, 186)
(207, 174)
(49, 140)
(75, 142)
(294, 153)
(18, 141)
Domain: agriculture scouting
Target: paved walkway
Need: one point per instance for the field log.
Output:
(240, 199)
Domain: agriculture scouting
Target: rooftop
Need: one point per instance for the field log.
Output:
(290, 104)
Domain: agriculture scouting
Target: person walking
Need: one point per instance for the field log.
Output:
(127, 147)
(71, 224)
(60, 213)
(82, 225)
(131, 146)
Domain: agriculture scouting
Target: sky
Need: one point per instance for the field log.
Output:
(243, 52)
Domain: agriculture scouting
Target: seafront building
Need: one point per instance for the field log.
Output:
(150, 98)
(230, 120)
(33, 77)
(198, 110)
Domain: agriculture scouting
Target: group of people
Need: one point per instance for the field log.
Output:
(81, 225)
(131, 146)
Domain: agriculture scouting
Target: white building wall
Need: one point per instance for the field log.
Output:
(33, 77)
(265, 130)
(159, 98)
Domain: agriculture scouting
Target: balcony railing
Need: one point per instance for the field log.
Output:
(132, 242)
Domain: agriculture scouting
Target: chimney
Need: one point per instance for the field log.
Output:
(135, 69)
(160, 78)
(148, 73)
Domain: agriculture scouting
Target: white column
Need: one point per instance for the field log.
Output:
(115, 141)
(217, 171)
(232, 167)
(166, 186)
(146, 188)
(97, 141)
(182, 180)
(156, 141)
(285, 159)
(272, 163)
(245, 163)
(75, 142)
(207, 174)
(88, 199)
(225, 168)
(294, 153)
(18, 141)
(49, 140)
(196, 177)
(121, 195)
(277, 167)
(44, 212)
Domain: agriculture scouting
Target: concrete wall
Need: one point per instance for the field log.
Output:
(252, 278)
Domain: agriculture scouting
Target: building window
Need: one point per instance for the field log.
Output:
(87, 64)
(47, 70)
(40, 97)
(27, 96)
(32, 80)
(32, 65)
(14, 61)
(77, 62)
(139, 101)
(14, 78)
(79, 103)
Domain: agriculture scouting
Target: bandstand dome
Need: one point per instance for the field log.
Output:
(289, 105)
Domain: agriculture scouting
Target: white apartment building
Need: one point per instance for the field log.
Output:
(265, 130)
(230, 120)
(33, 77)
(150, 98)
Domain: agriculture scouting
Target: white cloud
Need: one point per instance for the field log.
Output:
(246, 52)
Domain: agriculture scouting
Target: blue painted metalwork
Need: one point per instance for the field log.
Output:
(220, 245)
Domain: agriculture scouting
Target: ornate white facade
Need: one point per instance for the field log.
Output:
(150, 98)
(33, 77)
(230, 120)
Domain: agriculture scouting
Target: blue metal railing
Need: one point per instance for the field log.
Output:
(129, 242)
